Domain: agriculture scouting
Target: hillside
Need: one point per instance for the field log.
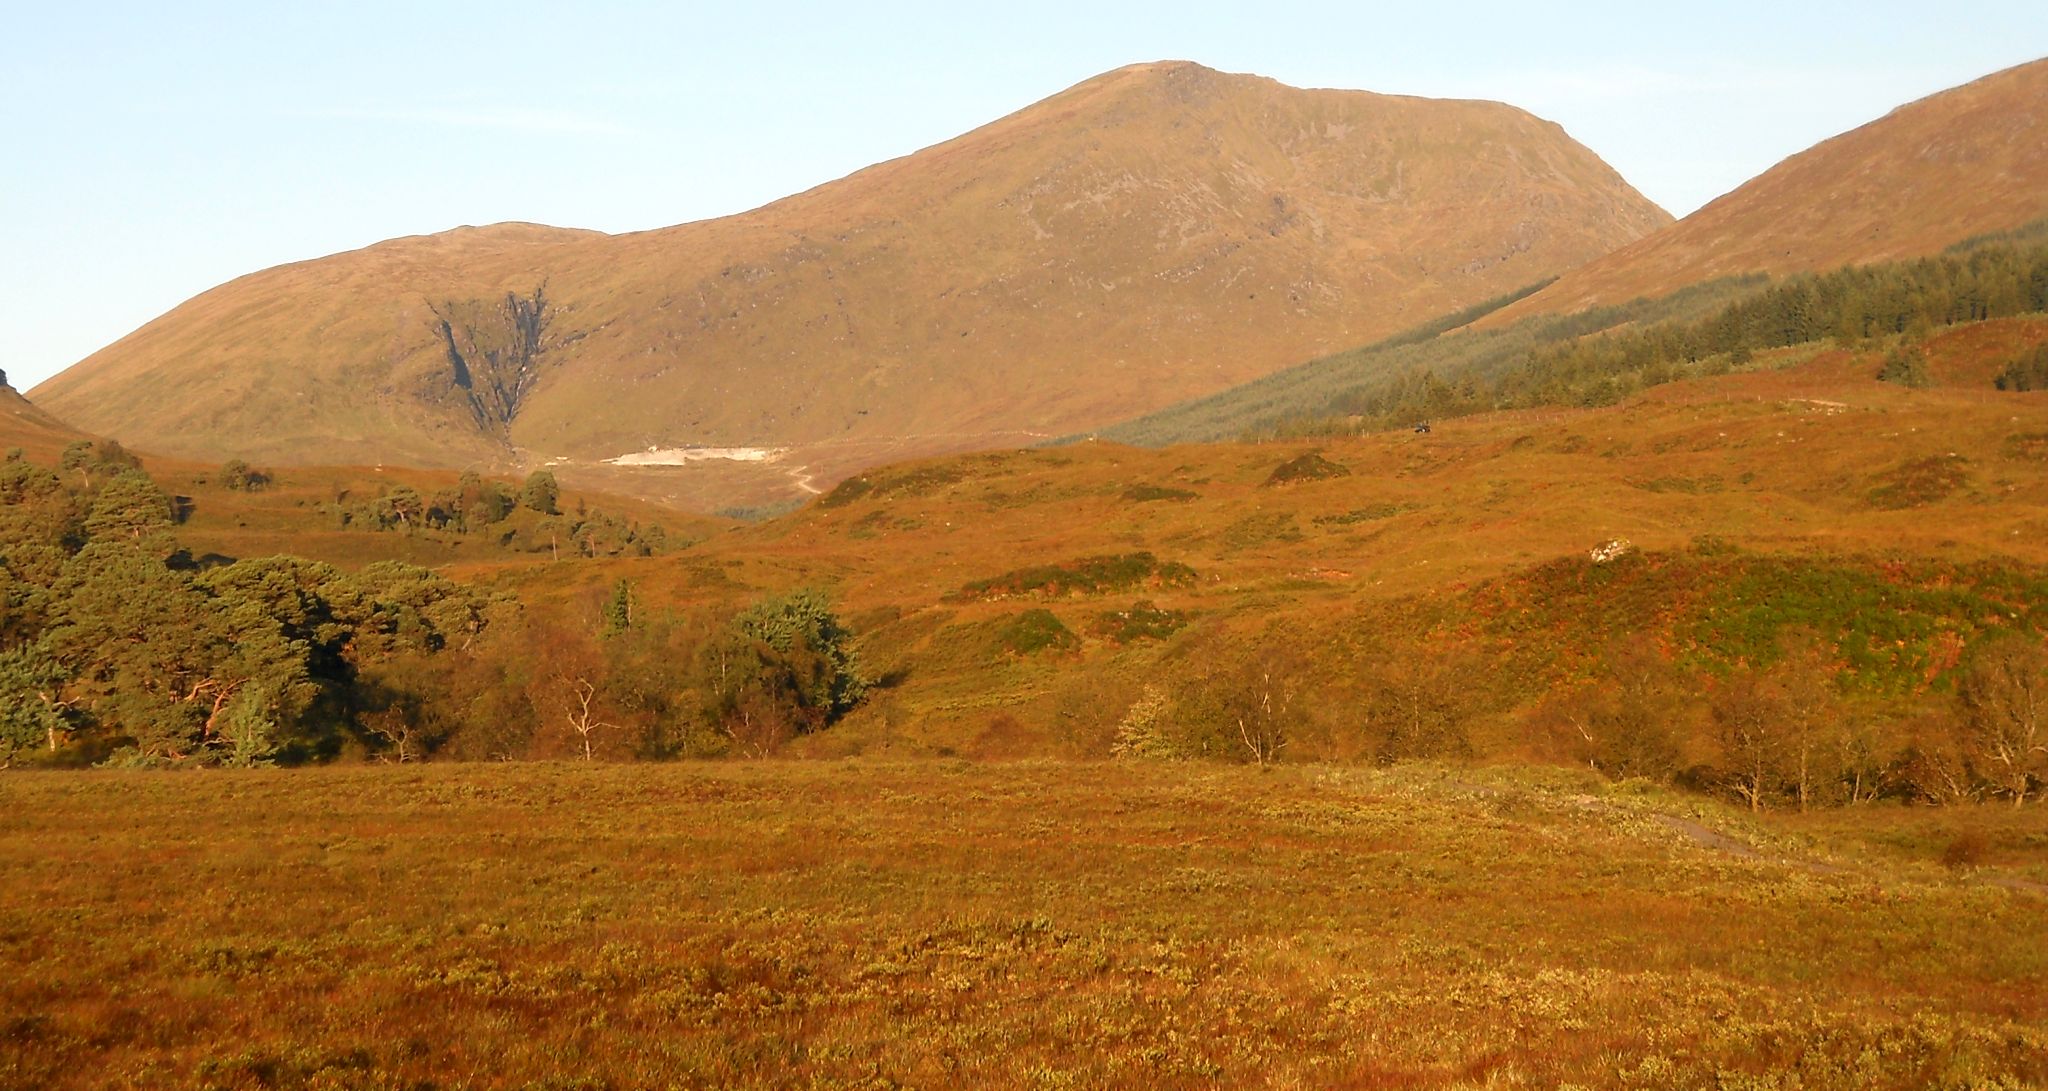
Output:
(1487, 590)
(1023, 600)
(1156, 233)
(24, 425)
(1601, 355)
(1969, 161)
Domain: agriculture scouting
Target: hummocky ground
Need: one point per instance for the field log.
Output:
(944, 924)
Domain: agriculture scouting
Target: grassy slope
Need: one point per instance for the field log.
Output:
(41, 437)
(1966, 161)
(856, 925)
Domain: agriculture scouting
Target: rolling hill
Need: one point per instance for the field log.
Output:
(1969, 161)
(1156, 233)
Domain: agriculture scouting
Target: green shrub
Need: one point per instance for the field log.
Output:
(916, 481)
(1034, 631)
(2028, 371)
(1361, 515)
(1142, 621)
(1140, 494)
(1307, 467)
(1099, 575)
(1906, 366)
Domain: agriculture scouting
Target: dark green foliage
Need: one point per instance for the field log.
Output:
(1100, 575)
(1034, 631)
(91, 459)
(618, 609)
(1144, 494)
(106, 644)
(1360, 515)
(2032, 232)
(1428, 331)
(2028, 371)
(1142, 621)
(1310, 466)
(34, 714)
(761, 513)
(486, 508)
(540, 493)
(784, 667)
(883, 485)
(239, 476)
(180, 674)
(847, 491)
(476, 503)
(1892, 628)
(2031, 446)
(132, 508)
(1906, 366)
(802, 624)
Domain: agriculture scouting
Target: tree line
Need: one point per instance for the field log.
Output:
(527, 517)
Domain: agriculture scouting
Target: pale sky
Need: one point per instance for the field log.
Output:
(151, 151)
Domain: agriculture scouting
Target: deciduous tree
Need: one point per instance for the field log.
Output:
(2004, 696)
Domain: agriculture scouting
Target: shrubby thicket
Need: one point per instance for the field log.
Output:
(1780, 682)
(527, 519)
(116, 646)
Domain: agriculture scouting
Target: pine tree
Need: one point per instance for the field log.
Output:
(540, 493)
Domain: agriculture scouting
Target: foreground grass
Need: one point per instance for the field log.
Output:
(1044, 925)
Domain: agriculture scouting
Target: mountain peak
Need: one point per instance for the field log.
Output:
(1154, 233)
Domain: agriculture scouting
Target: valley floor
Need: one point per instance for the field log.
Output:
(949, 924)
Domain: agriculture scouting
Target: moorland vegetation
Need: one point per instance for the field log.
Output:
(1002, 925)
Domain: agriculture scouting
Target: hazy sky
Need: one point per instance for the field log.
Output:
(151, 151)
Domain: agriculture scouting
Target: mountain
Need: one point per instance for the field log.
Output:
(24, 425)
(1969, 161)
(1156, 233)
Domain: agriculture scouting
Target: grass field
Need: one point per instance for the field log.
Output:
(949, 924)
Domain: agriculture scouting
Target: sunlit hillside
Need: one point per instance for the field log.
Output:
(1158, 232)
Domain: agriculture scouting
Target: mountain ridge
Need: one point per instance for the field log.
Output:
(1157, 231)
(1966, 161)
